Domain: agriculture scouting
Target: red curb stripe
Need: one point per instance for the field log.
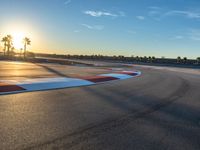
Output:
(97, 79)
(9, 88)
(129, 73)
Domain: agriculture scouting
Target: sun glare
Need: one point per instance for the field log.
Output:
(18, 39)
(18, 31)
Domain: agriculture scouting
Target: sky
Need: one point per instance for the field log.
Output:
(168, 28)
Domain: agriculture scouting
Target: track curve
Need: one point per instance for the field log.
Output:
(158, 110)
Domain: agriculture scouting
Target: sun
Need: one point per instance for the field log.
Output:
(19, 30)
(18, 39)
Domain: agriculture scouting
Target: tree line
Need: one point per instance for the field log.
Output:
(8, 48)
(135, 59)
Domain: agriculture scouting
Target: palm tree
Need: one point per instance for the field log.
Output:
(137, 58)
(21, 49)
(26, 41)
(178, 59)
(150, 59)
(185, 60)
(198, 60)
(153, 58)
(145, 59)
(4, 40)
(9, 43)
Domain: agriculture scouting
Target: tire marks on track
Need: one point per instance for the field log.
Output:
(94, 130)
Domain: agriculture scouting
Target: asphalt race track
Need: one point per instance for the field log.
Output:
(158, 110)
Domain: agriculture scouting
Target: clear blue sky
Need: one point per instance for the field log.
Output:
(167, 28)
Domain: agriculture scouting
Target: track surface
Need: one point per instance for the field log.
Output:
(159, 110)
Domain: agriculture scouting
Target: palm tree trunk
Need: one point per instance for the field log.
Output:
(24, 50)
(8, 50)
(4, 50)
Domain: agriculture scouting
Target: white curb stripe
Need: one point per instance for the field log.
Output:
(56, 83)
(116, 75)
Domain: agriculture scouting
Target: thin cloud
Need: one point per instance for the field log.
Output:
(194, 34)
(191, 34)
(131, 32)
(140, 17)
(67, 2)
(99, 13)
(155, 7)
(104, 14)
(95, 27)
(188, 14)
(155, 12)
(177, 37)
(158, 13)
(122, 14)
(87, 26)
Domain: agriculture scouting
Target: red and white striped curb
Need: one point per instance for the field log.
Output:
(39, 84)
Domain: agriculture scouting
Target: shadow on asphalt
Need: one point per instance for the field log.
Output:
(52, 70)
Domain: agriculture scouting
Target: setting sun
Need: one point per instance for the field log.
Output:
(18, 40)
(18, 32)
